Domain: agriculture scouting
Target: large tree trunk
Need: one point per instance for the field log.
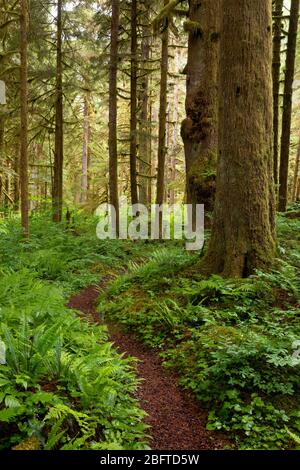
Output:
(243, 233)
(161, 153)
(199, 129)
(287, 105)
(296, 173)
(113, 111)
(58, 154)
(24, 120)
(133, 104)
(278, 7)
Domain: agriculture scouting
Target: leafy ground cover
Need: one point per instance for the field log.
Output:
(233, 342)
(62, 385)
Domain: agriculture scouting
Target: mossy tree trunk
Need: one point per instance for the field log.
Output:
(174, 137)
(199, 129)
(287, 105)
(296, 173)
(58, 153)
(16, 181)
(85, 147)
(278, 7)
(243, 232)
(24, 118)
(161, 154)
(298, 191)
(145, 124)
(133, 105)
(2, 159)
(113, 111)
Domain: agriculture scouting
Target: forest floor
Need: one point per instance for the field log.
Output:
(176, 419)
(167, 353)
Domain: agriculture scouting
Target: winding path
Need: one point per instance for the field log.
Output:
(176, 419)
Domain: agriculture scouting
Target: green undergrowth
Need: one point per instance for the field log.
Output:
(233, 342)
(70, 257)
(62, 385)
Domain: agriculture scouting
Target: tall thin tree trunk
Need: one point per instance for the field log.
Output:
(133, 104)
(276, 80)
(33, 177)
(144, 147)
(296, 172)
(89, 153)
(168, 146)
(199, 129)
(85, 149)
(243, 233)
(287, 105)
(152, 153)
(163, 101)
(16, 182)
(2, 159)
(113, 111)
(298, 191)
(175, 129)
(24, 119)
(8, 199)
(58, 154)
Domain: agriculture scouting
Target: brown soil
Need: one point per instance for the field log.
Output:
(176, 418)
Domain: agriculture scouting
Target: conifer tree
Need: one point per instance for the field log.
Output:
(243, 232)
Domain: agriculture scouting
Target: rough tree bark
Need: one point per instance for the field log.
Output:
(161, 153)
(287, 105)
(8, 200)
(16, 182)
(144, 128)
(133, 104)
(174, 146)
(2, 160)
(153, 153)
(58, 153)
(24, 119)
(113, 111)
(85, 148)
(278, 7)
(199, 129)
(243, 232)
(296, 173)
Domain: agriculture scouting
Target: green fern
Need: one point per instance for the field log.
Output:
(294, 436)
(55, 435)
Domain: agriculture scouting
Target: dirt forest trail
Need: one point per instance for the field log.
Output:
(176, 420)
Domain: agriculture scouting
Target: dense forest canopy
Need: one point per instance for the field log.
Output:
(126, 107)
